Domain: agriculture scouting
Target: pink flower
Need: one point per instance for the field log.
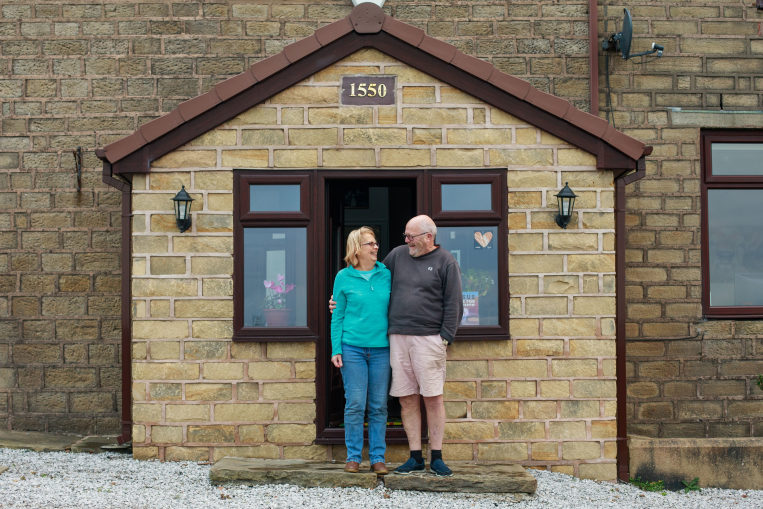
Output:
(275, 293)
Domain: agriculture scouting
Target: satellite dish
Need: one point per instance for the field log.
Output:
(623, 39)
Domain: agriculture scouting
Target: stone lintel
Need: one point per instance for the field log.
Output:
(714, 118)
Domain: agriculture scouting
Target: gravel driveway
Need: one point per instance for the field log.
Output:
(112, 480)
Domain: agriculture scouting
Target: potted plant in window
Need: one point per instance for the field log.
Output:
(275, 310)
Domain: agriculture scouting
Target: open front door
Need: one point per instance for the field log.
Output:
(385, 205)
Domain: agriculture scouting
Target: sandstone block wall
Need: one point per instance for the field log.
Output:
(687, 377)
(83, 73)
(545, 398)
(80, 73)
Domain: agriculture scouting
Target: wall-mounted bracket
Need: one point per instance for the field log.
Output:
(78, 165)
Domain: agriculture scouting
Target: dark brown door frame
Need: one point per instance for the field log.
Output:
(325, 434)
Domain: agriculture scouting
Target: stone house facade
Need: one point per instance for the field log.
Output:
(84, 74)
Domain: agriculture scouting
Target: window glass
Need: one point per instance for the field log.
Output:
(274, 198)
(737, 158)
(466, 197)
(474, 247)
(275, 277)
(735, 246)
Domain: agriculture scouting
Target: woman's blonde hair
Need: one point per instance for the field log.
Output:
(354, 240)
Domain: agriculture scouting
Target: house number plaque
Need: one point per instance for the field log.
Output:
(368, 90)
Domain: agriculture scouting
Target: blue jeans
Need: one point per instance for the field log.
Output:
(366, 373)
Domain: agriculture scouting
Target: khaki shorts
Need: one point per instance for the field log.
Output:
(418, 365)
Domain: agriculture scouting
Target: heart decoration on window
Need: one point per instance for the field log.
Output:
(483, 239)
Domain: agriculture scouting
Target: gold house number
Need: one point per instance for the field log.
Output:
(368, 90)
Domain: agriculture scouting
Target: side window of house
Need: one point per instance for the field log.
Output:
(272, 266)
(732, 205)
(470, 213)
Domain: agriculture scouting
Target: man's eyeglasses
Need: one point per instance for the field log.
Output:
(409, 237)
(373, 244)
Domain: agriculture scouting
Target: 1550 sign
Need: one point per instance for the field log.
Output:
(368, 90)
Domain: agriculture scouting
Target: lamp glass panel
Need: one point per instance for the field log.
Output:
(735, 246)
(274, 198)
(476, 251)
(565, 206)
(275, 277)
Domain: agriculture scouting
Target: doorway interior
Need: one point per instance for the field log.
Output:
(385, 205)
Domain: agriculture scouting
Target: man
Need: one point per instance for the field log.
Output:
(425, 310)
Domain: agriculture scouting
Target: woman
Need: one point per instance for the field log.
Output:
(360, 347)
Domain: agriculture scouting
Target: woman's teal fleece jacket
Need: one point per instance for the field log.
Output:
(360, 317)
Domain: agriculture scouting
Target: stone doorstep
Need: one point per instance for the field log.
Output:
(47, 442)
(37, 441)
(467, 477)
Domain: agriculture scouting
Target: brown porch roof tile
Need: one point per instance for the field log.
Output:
(514, 86)
(629, 146)
(473, 65)
(333, 31)
(594, 125)
(235, 85)
(268, 67)
(552, 104)
(403, 31)
(159, 126)
(370, 19)
(301, 48)
(438, 48)
(198, 105)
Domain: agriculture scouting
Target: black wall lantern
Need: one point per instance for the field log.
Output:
(183, 209)
(566, 202)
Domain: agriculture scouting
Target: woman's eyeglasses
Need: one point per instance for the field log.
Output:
(372, 244)
(409, 237)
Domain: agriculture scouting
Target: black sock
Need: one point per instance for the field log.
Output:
(417, 456)
(436, 455)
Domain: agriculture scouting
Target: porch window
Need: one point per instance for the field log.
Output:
(271, 264)
(290, 230)
(469, 210)
(732, 205)
(275, 280)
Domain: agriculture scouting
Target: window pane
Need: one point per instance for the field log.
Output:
(735, 246)
(275, 277)
(737, 158)
(475, 249)
(274, 198)
(466, 197)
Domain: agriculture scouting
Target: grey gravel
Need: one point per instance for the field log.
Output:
(71, 480)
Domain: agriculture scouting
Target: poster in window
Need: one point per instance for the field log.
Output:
(483, 240)
(471, 308)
